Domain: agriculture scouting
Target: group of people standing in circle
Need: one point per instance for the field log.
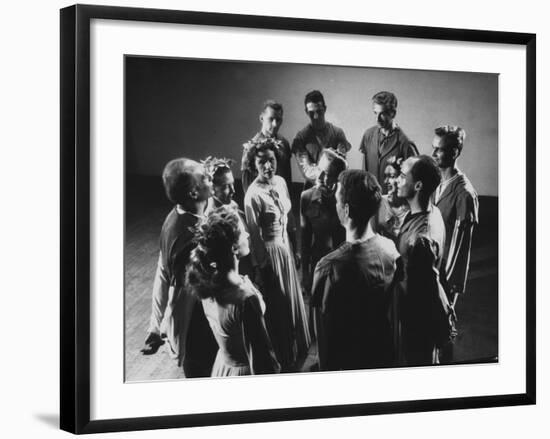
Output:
(383, 252)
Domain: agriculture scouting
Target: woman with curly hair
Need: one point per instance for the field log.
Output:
(233, 306)
(267, 209)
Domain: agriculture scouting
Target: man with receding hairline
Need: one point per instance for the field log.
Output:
(176, 315)
(424, 311)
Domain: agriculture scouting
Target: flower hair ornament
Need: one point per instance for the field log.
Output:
(396, 162)
(261, 143)
(212, 164)
(252, 145)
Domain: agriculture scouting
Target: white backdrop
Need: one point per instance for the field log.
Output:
(29, 365)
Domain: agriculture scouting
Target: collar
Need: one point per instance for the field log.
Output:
(261, 136)
(324, 130)
(394, 128)
(181, 211)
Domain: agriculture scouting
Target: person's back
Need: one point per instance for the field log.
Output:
(236, 318)
(353, 289)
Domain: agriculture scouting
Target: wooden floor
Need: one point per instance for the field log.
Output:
(146, 209)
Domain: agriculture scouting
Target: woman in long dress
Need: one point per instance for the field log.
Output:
(233, 306)
(267, 209)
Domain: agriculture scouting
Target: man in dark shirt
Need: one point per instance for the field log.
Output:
(319, 134)
(271, 119)
(352, 285)
(176, 314)
(386, 139)
(321, 231)
(425, 312)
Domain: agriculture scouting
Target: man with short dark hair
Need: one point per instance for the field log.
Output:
(352, 286)
(318, 135)
(457, 200)
(176, 314)
(425, 312)
(386, 140)
(271, 119)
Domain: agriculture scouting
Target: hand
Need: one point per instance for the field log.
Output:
(152, 344)
(452, 314)
(306, 283)
(298, 260)
(258, 278)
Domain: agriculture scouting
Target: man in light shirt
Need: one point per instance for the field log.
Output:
(457, 200)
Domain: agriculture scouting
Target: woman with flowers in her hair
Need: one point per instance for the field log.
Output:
(267, 209)
(232, 304)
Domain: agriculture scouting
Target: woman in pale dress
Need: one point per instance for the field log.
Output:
(267, 209)
(233, 306)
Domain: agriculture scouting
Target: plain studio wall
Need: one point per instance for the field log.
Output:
(196, 108)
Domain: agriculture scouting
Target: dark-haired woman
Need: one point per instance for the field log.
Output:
(267, 207)
(233, 306)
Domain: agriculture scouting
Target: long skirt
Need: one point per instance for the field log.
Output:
(223, 368)
(285, 310)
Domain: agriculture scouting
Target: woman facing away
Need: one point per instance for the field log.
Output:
(233, 306)
(267, 209)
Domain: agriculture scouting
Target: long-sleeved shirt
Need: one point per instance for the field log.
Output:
(457, 200)
(308, 145)
(424, 308)
(352, 295)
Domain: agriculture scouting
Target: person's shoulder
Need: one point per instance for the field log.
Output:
(300, 139)
(335, 257)
(249, 294)
(253, 192)
(369, 134)
(171, 216)
(284, 140)
(304, 131)
(385, 245)
(279, 181)
(465, 186)
(370, 131)
(307, 194)
(402, 133)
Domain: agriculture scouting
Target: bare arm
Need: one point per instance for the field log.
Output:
(259, 348)
(306, 240)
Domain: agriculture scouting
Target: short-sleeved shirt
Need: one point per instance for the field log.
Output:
(379, 148)
(352, 288)
(309, 144)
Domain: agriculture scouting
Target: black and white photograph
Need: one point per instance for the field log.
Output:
(306, 218)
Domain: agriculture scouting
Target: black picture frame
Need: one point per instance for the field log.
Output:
(75, 217)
